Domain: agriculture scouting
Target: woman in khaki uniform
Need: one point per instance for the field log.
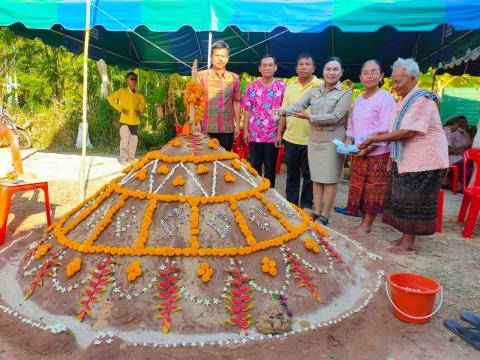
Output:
(329, 107)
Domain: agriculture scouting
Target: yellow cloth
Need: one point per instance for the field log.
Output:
(126, 99)
(297, 129)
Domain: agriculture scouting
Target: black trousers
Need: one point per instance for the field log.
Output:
(296, 158)
(264, 155)
(225, 139)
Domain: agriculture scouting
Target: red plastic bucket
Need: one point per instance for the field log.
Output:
(413, 296)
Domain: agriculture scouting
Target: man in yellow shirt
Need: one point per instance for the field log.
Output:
(130, 103)
(295, 138)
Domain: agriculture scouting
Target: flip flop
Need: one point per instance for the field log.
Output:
(344, 211)
(470, 318)
(469, 335)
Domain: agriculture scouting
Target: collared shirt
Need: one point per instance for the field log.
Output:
(297, 129)
(126, 99)
(369, 116)
(328, 110)
(260, 100)
(456, 139)
(428, 148)
(222, 90)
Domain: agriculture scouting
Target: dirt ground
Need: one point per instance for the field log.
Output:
(371, 334)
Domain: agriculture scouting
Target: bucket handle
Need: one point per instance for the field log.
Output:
(415, 317)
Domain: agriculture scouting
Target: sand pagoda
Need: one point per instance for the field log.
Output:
(188, 247)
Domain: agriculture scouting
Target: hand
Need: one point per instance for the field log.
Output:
(301, 114)
(369, 140)
(277, 112)
(245, 136)
(125, 111)
(278, 141)
(361, 153)
(236, 132)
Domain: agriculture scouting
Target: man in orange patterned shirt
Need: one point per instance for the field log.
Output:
(222, 103)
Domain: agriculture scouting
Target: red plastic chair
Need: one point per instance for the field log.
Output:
(440, 211)
(6, 193)
(471, 196)
(281, 152)
(240, 147)
(455, 177)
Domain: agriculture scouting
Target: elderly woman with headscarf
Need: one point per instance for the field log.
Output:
(419, 152)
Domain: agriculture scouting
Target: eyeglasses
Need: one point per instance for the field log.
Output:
(368, 73)
(134, 79)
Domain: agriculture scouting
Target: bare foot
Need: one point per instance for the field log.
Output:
(360, 231)
(402, 250)
(395, 242)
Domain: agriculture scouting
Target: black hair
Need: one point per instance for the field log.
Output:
(220, 44)
(264, 56)
(131, 73)
(452, 121)
(376, 61)
(305, 55)
(333, 58)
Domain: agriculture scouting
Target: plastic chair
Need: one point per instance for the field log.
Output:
(281, 152)
(455, 177)
(7, 190)
(6, 193)
(471, 196)
(440, 211)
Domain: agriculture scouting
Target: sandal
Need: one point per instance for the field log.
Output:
(470, 318)
(323, 219)
(469, 335)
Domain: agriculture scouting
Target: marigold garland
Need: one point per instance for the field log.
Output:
(202, 169)
(269, 266)
(178, 181)
(205, 272)
(134, 270)
(229, 177)
(73, 266)
(214, 144)
(311, 245)
(163, 170)
(42, 250)
(141, 174)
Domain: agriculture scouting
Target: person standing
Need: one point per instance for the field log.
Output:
(369, 173)
(222, 101)
(261, 97)
(419, 153)
(295, 138)
(130, 103)
(330, 105)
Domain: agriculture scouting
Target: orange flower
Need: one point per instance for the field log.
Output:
(163, 170)
(178, 181)
(202, 169)
(229, 177)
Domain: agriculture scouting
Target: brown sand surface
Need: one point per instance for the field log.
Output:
(372, 334)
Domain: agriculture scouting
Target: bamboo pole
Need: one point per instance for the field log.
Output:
(82, 180)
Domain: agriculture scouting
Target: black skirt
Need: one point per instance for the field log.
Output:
(411, 201)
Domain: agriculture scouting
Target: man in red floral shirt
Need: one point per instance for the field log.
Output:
(261, 97)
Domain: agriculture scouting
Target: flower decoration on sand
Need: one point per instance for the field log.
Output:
(236, 164)
(177, 142)
(213, 144)
(134, 270)
(229, 177)
(202, 169)
(238, 299)
(73, 266)
(311, 245)
(163, 170)
(178, 181)
(141, 174)
(42, 250)
(168, 294)
(205, 272)
(269, 266)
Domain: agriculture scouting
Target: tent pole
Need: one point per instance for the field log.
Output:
(209, 62)
(84, 107)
